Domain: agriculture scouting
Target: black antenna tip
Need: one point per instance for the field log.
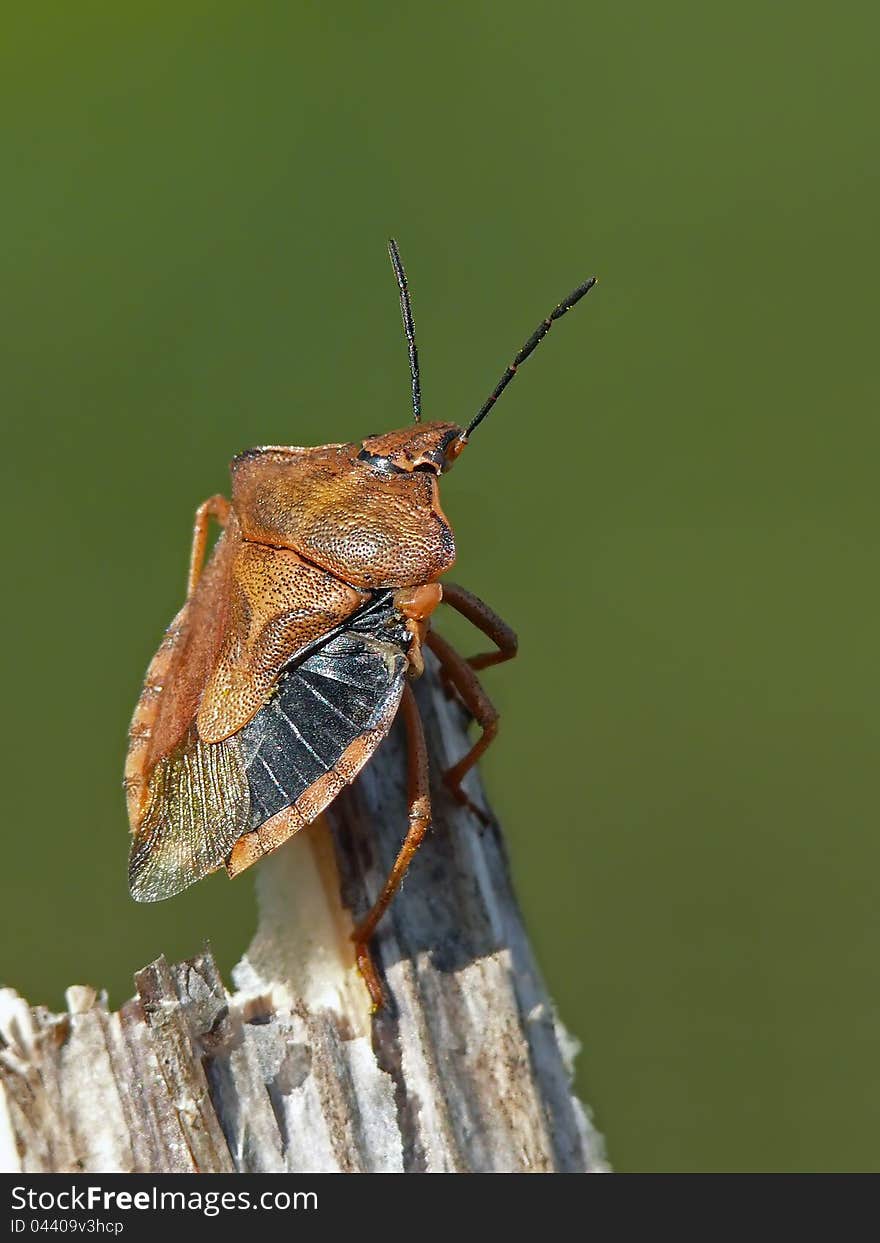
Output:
(527, 350)
(578, 293)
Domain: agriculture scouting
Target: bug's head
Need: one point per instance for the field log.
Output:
(435, 446)
(426, 447)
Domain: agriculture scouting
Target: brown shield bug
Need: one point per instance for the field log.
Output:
(291, 656)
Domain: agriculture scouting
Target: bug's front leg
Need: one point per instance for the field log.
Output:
(214, 507)
(459, 673)
(419, 800)
(479, 614)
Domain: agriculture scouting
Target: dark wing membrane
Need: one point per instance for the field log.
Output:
(199, 806)
(323, 705)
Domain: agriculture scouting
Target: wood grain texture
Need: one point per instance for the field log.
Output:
(465, 1069)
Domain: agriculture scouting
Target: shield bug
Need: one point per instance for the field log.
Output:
(293, 652)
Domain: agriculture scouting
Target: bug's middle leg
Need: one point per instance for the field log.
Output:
(460, 674)
(419, 799)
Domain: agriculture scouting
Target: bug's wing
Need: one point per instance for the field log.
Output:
(237, 799)
(329, 713)
(198, 808)
(279, 607)
(176, 677)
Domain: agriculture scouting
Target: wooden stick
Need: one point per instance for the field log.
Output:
(465, 1069)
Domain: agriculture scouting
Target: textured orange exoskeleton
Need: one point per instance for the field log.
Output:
(286, 666)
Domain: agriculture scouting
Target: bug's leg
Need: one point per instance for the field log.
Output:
(214, 507)
(480, 615)
(419, 800)
(460, 674)
(417, 604)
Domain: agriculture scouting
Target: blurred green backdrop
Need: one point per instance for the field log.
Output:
(674, 503)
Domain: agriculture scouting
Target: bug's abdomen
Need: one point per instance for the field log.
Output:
(328, 714)
(337, 695)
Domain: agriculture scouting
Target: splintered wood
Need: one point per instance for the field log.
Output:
(466, 1068)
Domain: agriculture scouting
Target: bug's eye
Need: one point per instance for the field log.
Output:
(429, 468)
(383, 465)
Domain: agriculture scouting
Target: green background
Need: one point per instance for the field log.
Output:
(674, 503)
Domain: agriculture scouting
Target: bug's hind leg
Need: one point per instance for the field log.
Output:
(214, 507)
(419, 800)
(459, 673)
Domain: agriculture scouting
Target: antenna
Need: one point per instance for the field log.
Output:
(408, 328)
(530, 346)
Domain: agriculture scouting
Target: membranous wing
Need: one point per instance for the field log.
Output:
(237, 799)
(198, 809)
